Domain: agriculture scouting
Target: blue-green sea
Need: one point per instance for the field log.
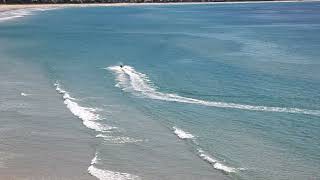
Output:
(205, 91)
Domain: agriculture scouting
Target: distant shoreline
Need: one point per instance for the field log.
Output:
(7, 7)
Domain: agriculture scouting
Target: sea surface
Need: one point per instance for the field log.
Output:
(220, 91)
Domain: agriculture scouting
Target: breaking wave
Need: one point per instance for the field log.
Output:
(215, 163)
(94, 159)
(209, 159)
(128, 79)
(182, 134)
(103, 174)
(88, 115)
(90, 119)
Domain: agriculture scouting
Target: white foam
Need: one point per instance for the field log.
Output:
(138, 83)
(224, 168)
(95, 159)
(19, 13)
(24, 94)
(88, 115)
(13, 14)
(58, 88)
(215, 163)
(182, 134)
(118, 139)
(206, 157)
(110, 175)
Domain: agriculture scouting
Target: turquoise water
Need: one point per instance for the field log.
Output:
(226, 91)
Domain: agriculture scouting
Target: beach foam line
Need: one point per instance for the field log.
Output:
(182, 134)
(19, 13)
(13, 14)
(130, 80)
(87, 115)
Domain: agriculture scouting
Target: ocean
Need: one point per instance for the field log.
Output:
(206, 91)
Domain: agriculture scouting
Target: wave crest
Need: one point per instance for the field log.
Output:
(88, 115)
(182, 134)
(215, 163)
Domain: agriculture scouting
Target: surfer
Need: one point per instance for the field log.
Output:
(121, 66)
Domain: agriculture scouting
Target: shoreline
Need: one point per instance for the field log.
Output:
(9, 7)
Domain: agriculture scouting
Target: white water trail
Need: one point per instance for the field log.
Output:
(128, 79)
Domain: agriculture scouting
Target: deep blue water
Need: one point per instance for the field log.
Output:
(239, 83)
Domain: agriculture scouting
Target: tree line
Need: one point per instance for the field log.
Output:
(103, 1)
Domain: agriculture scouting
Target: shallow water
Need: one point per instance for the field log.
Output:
(37, 133)
(207, 91)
